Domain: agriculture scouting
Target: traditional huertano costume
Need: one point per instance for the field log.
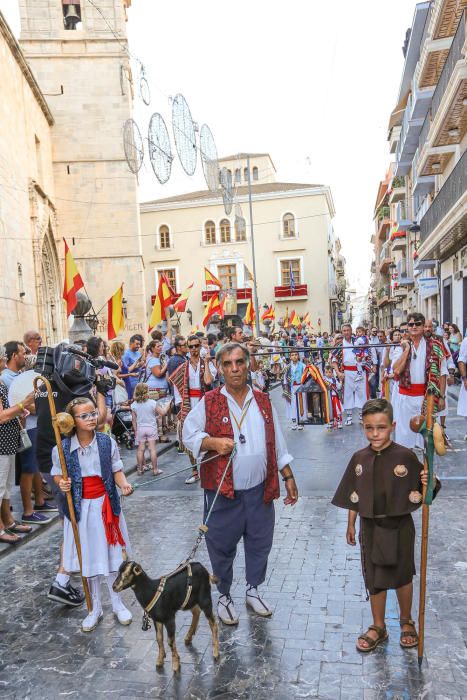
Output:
(356, 389)
(462, 402)
(384, 488)
(334, 387)
(101, 523)
(293, 379)
(425, 365)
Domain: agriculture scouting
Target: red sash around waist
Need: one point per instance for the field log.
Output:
(412, 390)
(350, 368)
(93, 487)
(195, 393)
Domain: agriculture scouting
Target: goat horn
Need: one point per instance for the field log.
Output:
(124, 554)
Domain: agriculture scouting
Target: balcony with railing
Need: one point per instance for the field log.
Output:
(454, 55)
(383, 295)
(286, 292)
(403, 279)
(243, 294)
(452, 195)
(384, 221)
(385, 258)
(397, 192)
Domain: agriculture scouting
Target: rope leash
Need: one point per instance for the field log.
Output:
(169, 476)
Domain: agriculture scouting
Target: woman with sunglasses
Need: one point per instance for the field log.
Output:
(421, 363)
(95, 470)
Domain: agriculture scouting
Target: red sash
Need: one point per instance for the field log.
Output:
(350, 368)
(412, 390)
(195, 393)
(93, 487)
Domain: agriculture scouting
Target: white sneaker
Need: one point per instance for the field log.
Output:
(256, 603)
(294, 425)
(360, 419)
(299, 427)
(226, 610)
(92, 620)
(348, 420)
(192, 479)
(123, 615)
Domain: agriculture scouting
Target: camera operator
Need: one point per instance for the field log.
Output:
(61, 590)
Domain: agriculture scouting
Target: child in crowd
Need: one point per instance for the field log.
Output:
(361, 354)
(334, 387)
(383, 483)
(258, 377)
(94, 472)
(144, 413)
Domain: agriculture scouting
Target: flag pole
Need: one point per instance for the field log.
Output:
(255, 288)
(424, 545)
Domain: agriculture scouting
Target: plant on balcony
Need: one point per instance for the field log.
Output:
(383, 213)
(398, 181)
(380, 293)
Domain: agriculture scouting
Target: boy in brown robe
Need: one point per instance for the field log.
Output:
(383, 483)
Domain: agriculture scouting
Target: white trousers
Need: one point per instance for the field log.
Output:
(7, 475)
(294, 413)
(355, 392)
(405, 408)
(462, 402)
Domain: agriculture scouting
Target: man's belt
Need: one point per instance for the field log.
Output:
(412, 390)
(195, 393)
(350, 368)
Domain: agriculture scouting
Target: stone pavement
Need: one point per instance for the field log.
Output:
(306, 650)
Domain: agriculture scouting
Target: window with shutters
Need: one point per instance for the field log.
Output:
(225, 231)
(164, 237)
(228, 276)
(171, 275)
(209, 233)
(288, 225)
(285, 272)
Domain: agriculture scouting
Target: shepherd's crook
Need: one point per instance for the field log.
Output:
(424, 548)
(58, 439)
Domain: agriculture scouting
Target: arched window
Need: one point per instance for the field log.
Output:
(255, 173)
(164, 237)
(238, 175)
(225, 231)
(240, 228)
(288, 225)
(245, 174)
(209, 232)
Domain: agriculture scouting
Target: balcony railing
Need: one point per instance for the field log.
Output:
(454, 55)
(384, 253)
(284, 290)
(383, 213)
(449, 194)
(243, 293)
(424, 132)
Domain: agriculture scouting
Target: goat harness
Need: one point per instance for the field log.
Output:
(160, 589)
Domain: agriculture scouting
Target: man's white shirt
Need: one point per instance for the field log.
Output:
(250, 460)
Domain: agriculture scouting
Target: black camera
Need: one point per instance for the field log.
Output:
(69, 365)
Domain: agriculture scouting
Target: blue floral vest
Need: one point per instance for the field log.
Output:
(104, 445)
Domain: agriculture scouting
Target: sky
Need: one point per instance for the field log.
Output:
(312, 83)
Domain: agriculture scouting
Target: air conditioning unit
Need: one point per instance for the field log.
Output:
(458, 275)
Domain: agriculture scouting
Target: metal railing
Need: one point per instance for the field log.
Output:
(383, 213)
(452, 190)
(385, 252)
(454, 55)
(423, 138)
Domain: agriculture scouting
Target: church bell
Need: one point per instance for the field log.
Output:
(71, 17)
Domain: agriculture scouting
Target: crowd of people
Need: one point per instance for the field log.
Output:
(166, 382)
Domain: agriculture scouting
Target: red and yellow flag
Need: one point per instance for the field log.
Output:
(73, 281)
(286, 317)
(292, 318)
(214, 306)
(164, 298)
(306, 319)
(269, 314)
(211, 279)
(180, 304)
(250, 315)
(295, 321)
(115, 317)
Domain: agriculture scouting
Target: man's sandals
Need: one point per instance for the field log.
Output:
(372, 643)
(408, 634)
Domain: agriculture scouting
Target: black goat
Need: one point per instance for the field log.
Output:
(171, 599)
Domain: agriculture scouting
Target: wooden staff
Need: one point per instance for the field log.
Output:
(71, 510)
(424, 547)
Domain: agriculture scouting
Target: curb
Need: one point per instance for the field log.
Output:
(6, 549)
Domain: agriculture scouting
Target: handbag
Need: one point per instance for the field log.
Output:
(24, 441)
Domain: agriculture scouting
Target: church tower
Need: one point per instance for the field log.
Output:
(78, 53)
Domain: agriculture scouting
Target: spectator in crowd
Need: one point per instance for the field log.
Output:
(123, 374)
(455, 340)
(9, 441)
(143, 411)
(32, 341)
(234, 334)
(133, 359)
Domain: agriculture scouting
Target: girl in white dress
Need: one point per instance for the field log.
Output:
(94, 471)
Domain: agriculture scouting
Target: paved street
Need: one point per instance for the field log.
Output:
(307, 649)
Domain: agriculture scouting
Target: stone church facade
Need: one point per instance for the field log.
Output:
(62, 166)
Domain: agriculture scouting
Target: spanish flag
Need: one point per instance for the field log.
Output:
(269, 314)
(295, 321)
(73, 281)
(306, 319)
(250, 315)
(292, 318)
(214, 306)
(180, 304)
(211, 279)
(116, 320)
(286, 317)
(164, 298)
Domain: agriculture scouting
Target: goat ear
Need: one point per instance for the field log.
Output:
(137, 570)
(124, 554)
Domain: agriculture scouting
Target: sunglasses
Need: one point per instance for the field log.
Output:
(193, 347)
(415, 323)
(88, 416)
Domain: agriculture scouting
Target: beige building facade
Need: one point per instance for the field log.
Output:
(65, 98)
(292, 226)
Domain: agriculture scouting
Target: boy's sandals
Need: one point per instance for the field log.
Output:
(408, 634)
(372, 643)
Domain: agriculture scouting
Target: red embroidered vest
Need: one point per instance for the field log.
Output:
(217, 411)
